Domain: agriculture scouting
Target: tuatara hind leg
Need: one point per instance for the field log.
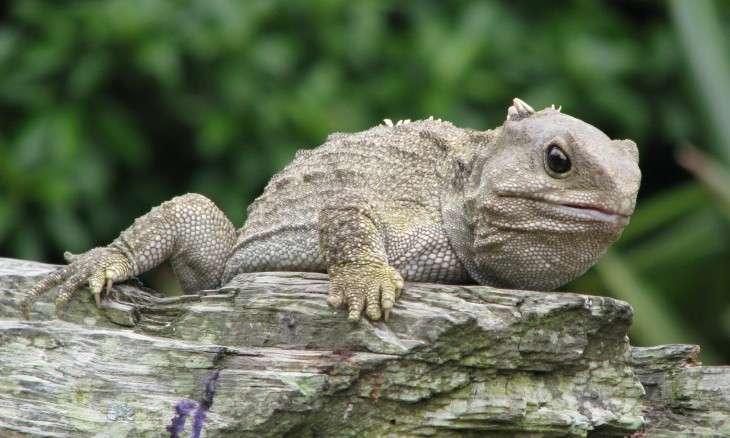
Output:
(188, 230)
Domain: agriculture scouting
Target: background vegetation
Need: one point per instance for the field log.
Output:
(108, 108)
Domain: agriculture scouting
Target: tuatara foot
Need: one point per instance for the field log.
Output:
(97, 267)
(373, 287)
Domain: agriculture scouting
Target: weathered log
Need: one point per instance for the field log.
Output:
(452, 360)
(682, 398)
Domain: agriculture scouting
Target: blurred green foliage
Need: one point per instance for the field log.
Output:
(110, 107)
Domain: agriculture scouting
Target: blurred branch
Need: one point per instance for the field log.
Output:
(711, 173)
(706, 52)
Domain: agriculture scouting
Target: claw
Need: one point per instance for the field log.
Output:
(386, 314)
(97, 294)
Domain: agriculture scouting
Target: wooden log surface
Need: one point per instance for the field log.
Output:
(452, 361)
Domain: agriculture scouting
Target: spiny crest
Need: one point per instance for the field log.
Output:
(520, 109)
(389, 123)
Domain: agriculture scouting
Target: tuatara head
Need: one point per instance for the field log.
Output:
(547, 195)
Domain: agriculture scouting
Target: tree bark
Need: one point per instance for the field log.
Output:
(451, 361)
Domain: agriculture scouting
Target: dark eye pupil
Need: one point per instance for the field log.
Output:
(557, 160)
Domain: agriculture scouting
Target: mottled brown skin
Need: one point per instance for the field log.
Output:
(531, 204)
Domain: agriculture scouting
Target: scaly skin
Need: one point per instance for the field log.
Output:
(531, 204)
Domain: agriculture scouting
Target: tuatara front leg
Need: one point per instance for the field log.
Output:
(188, 230)
(352, 244)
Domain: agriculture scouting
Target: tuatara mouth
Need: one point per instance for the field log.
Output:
(592, 211)
(581, 211)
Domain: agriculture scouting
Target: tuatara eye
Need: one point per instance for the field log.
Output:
(556, 160)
